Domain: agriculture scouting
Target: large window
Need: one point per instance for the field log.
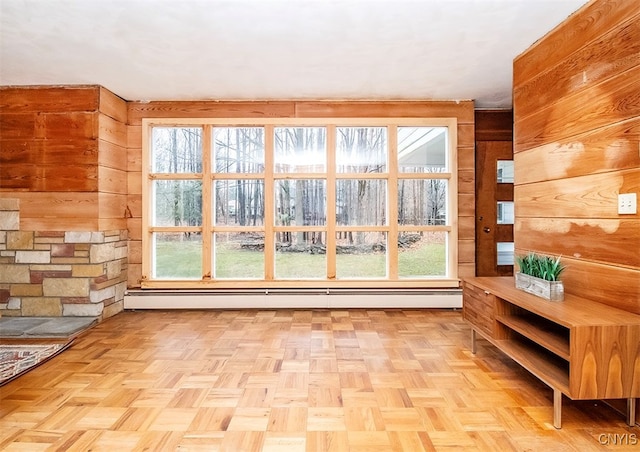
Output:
(299, 203)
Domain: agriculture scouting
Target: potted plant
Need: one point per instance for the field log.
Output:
(539, 275)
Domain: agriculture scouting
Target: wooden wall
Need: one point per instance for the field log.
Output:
(577, 146)
(463, 111)
(491, 126)
(494, 125)
(63, 155)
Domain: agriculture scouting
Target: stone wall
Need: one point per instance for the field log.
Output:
(58, 273)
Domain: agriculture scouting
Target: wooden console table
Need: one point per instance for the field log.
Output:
(580, 348)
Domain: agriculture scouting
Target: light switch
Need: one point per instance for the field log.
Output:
(627, 204)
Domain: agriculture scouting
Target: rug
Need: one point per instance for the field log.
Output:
(15, 360)
(44, 327)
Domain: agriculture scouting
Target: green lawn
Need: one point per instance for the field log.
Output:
(183, 260)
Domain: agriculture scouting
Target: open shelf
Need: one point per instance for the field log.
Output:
(553, 337)
(552, 370)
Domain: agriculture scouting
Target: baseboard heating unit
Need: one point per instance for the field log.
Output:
(294, 299)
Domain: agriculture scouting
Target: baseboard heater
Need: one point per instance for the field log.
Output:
(293, 299)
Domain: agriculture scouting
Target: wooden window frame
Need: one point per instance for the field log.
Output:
(450, 280)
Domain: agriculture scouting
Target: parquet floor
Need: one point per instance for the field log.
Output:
(288, 380)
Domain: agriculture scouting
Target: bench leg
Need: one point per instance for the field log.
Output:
(473, 341)
(631, 411)
(557, 408)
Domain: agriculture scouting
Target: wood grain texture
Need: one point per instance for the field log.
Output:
(493, 125)
(17, 125)
(610, 148)
(208, 109)
(289, 380)
(43, 178)
(385, 109)
(113, 205)
(608, 284)
(613, 100)
(619, 48)
(68, 125)
(112, 180)
(607, 241)
(74, 208)
(37, 99)
(588, 24)
(113, 106)
(112, 156)
(589, 197)
(111, 130)
(55, 140)
(605, 362)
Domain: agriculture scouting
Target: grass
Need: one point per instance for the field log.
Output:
(182, 260)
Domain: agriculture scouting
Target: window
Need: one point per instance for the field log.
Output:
(304, 203)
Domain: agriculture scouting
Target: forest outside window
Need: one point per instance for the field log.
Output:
(299, 203)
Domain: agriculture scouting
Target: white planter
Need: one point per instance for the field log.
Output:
(551, 290)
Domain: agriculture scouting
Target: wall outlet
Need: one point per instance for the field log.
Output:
(627, 204)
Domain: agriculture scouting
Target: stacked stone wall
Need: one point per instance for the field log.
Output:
(60, 273)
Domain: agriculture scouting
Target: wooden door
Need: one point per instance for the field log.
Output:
(494, 208)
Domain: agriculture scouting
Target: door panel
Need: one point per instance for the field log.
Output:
(488, 193)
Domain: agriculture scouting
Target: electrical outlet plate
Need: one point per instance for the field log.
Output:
(627, 204)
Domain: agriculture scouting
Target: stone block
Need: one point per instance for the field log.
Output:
(77, 237)
(98, 296)
(121, 252)
(69, 260)
(121, 289)
(51, 268)
(3, 238)
(65, 287)
(19, 240)
(102, 253)
(41, 307)
(112, 309)
(33, 257)
(14, 303)
(82, 310)
(97, 237)
(9, 220)
(14, 274)
(26, 290)
(38, 276)
(4, 295)
(89, 270)
(113, 269)
(62, 250)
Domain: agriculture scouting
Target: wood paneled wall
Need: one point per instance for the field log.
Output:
(63, 155)
(494, 125)
(463, 111)
(577, 146)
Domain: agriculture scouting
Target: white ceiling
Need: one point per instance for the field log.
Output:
(276, 49)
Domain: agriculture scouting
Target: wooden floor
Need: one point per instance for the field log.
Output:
(286, 380)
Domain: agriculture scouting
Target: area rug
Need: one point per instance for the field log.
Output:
(15, 360)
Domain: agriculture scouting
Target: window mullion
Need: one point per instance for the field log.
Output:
(207, 213)
(392, 203)
(331, 202)
(269, 199)
(148, 205)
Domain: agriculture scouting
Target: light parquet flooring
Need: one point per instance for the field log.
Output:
(292, 380)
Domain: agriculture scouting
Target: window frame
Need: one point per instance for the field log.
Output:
(392, 176)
